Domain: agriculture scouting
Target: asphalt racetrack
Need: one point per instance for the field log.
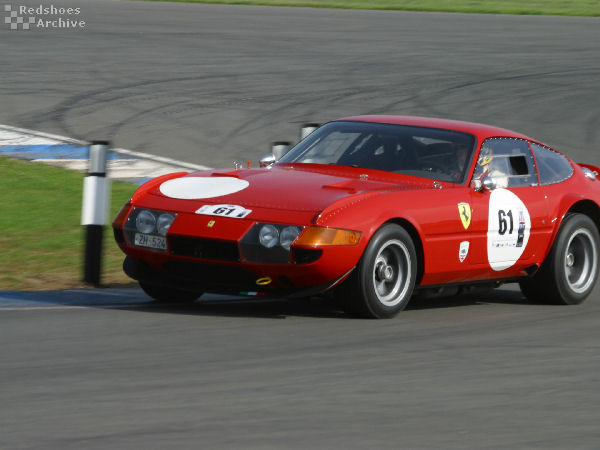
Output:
(209, 84)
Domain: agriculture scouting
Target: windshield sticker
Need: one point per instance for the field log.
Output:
(191, 188)
(509, 227)
(234, 211)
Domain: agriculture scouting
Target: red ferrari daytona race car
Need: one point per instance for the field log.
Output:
(374, 209)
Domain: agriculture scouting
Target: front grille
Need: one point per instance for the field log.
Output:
(204, 248)
(230, 278)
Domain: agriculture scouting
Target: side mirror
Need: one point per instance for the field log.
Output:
(268, 160)
(489, 183)
(278, 149)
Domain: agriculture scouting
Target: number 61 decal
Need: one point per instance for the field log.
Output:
(235, 211)
(509, 227)
(502, 226)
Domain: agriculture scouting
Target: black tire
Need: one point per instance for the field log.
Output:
(570, 271)
(169, 295)
(383, 282)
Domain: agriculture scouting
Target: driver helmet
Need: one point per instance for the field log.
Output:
(485, 156)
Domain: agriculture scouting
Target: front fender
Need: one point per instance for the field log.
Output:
(367, 212)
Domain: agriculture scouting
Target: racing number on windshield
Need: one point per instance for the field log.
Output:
(502, 222)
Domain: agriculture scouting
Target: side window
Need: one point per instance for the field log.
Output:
(552, 166)
(508, 161)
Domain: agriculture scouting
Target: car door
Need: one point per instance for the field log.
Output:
(509, 209)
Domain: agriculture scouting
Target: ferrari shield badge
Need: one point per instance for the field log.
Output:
(464, 210)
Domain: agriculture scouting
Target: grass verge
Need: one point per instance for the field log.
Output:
(529, 7)
(41, 239)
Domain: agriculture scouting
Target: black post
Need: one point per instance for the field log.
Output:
(94, 211)
(92, 267)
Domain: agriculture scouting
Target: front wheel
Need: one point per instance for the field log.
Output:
(570, 271)
(169, 295)
(384, 279)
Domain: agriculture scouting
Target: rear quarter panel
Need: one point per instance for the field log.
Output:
(564, 196)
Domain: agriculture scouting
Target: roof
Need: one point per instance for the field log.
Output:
(479, 130)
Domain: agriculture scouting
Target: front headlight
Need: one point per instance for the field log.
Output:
(288, 235)
(269, 242)
(145, 222)
(268, 236)
(163, 223)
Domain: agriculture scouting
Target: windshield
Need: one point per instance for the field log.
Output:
(424, 152)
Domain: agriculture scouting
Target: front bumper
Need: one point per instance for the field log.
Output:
(213, 255)
(220, 279)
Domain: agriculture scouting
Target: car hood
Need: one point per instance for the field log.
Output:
(302, 188)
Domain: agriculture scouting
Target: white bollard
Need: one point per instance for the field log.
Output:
(308, 128)
(94, 211)
(279, 149)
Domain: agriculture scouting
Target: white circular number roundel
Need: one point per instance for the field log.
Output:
(202, 187)
(509, 227)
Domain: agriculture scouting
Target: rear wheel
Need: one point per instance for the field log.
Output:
(169, 295)
(570, 271)
(384, 279)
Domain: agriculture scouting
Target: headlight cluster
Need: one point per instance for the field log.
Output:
(271, 235)
(267, 242)
(151, 222)
(145, 222)
(271, 243)
(148, 228)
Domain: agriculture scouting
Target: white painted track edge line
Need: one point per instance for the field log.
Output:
(120, 151)
(162, 159)
(55, 137)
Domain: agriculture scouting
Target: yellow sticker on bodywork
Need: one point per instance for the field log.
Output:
(464, 211)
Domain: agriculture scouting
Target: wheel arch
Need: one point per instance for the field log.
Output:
(552, 282)
(416, 237)
(579, 206)
(589, 208)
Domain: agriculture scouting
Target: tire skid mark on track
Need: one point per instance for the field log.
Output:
(96, 98)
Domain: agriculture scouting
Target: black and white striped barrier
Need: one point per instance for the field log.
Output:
(94, 211)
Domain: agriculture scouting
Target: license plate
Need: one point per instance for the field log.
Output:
(147, 240)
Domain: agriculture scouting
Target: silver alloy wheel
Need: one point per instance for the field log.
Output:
(392, 272)
(581, 259)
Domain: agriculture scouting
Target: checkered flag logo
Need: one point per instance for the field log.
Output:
(14, 20)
